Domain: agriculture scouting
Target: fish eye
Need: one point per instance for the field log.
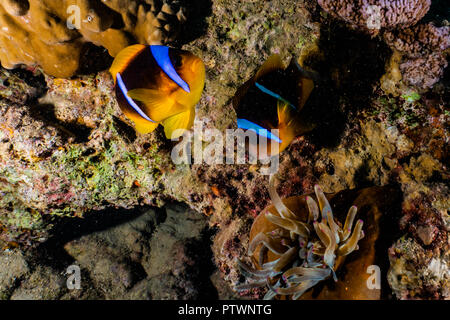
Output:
(177, 61)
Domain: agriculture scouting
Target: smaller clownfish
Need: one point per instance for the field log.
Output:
(158, 85)
(273, 99)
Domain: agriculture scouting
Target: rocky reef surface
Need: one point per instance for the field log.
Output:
(68, 156)
(139, 254)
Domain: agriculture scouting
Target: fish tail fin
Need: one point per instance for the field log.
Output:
(158, 106)
(177, 124)
(123, 58)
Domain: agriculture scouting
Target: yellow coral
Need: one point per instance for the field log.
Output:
(51, 33)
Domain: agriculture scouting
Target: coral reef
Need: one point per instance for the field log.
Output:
(67, 152)
(52, 33)
(372, 15)
(423, 53)
(419, 40)
(422, 57)
(418, 273)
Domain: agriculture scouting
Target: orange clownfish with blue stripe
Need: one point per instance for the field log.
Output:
(273, 99)
(158, 85)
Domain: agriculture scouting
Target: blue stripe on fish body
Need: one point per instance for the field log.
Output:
(248, 125)
(124, 90)
(273, 94)
(161, 55)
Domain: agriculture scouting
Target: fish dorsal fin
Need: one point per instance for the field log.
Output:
(175, 126)
(123, 58)
(272, 63)
(158, 105)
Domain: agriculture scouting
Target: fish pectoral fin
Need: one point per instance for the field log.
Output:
(292, 120)
(272, 63)
(158, 106)
(284, 112)
(175, 126)
(123, 58)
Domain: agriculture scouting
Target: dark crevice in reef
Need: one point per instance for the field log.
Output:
(52, 252)
(438, 13)
(389, 232)
(46, 113)
(35, 80)
(125, 130)
(350, 65)
(362, 179)
(200, 250)
(199, 10)
(93, 59)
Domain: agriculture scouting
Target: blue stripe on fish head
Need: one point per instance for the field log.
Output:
(248, 125)
(161, 55)
(273, 94)
(133, 104)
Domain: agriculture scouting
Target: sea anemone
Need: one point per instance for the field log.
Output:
(298, 250)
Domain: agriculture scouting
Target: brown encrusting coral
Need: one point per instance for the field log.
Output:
(423, 50)
(52, 33)
(419, 50)
(372, 15)
(295, 244)
(419, 40)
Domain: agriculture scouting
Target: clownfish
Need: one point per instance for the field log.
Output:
(158, 85)
(273, 99)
